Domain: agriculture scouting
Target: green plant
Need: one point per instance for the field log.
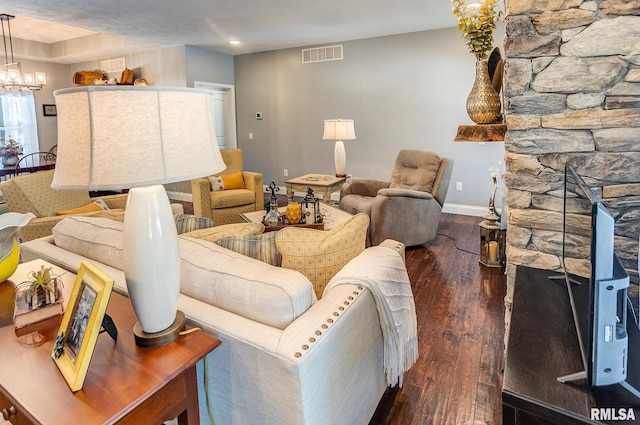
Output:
(477, 22)
(42, 286)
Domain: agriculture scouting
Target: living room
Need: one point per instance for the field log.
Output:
(403, 91)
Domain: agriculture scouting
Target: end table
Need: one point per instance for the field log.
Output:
(322, 184)
(125, 384)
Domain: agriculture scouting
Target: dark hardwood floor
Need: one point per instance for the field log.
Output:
(460, 308)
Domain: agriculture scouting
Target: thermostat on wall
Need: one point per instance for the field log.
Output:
(258, 115)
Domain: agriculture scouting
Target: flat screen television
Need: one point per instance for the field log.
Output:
(597, 284)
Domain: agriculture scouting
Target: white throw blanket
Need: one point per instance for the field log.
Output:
(382, 271)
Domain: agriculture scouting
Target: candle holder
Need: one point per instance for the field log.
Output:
(491, 241)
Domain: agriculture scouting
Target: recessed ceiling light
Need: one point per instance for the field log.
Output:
(234, 42)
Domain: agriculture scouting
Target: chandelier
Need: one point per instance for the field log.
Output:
(11, 76)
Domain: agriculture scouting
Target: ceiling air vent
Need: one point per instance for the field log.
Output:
(112, 65)
(322, 54)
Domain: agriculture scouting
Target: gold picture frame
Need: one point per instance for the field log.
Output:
(81, 324)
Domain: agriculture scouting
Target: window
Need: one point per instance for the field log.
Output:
(18, 119)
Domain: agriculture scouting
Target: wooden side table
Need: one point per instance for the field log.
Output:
(323, 184)
(125, 384)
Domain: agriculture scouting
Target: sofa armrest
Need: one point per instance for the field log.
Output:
(253, 182)
(42, 226)
(201, 193)
(362, 187)
(399, 247)
(45, 249)
(408, 193)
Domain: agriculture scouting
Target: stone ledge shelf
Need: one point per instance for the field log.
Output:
(481, 133)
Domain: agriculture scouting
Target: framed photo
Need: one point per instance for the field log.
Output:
(81, 324)
(49, 110)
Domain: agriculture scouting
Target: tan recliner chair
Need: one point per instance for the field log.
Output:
(225, 206)
(407, 208)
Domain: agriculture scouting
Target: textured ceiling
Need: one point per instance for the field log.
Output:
(259, 25)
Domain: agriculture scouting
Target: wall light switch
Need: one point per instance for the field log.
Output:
(258, 115)
(250, 136)
(459, 186)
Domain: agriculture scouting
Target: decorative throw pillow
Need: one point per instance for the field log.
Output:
(261, 247)
(216, 183)
(103, 205)
(212, 234)
(188, 223)
(233, 181)
(320, 254)
(92, 207)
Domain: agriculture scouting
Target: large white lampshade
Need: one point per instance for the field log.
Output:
(339, 130)
(138, 138)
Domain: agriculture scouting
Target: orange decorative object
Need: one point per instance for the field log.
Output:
(293, 213)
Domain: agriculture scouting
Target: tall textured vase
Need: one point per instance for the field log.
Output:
(483, 103)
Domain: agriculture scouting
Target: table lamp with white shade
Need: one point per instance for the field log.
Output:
(139, 138)
(339, 130)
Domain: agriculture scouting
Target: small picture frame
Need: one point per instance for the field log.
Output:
(49, 110)
(81, 324)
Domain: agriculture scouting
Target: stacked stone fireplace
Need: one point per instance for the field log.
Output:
(572, 95)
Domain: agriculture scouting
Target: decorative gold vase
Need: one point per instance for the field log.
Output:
(293, 212)
(483, 103)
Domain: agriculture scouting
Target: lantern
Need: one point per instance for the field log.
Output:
(491, 241)
(310, 206)
(273, 216)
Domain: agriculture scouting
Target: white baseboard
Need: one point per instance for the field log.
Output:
(460, 209)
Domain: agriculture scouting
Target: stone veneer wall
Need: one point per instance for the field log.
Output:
(572, 93)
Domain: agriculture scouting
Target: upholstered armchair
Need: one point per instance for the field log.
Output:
(33, 193)
(407, 208)
(224, 205)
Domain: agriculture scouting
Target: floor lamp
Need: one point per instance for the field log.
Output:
(339, 130)
(139, 138)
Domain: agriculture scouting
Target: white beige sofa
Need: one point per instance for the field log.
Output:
(285, 357)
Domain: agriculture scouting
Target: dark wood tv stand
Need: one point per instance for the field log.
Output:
(542, 346)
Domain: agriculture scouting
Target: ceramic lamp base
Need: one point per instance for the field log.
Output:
(164, 337)
(340, 159)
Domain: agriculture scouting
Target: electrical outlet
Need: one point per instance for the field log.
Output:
(459, 186)
(285, 172)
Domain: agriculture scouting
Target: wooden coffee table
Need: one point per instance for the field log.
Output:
(331, 216)
(322, 184)
(125, 384)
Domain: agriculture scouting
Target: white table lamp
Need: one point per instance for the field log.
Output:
(138, 138)
(339, 130)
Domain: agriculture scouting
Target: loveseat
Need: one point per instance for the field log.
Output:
(33, 193)
(285, 357)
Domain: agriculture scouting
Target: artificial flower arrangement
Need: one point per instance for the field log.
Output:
(477, 22)
(10, 147)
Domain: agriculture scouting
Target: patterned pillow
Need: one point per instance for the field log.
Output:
(212, 234)
(320, 254)
(261, 247)
(188, 223)
(216, 183)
